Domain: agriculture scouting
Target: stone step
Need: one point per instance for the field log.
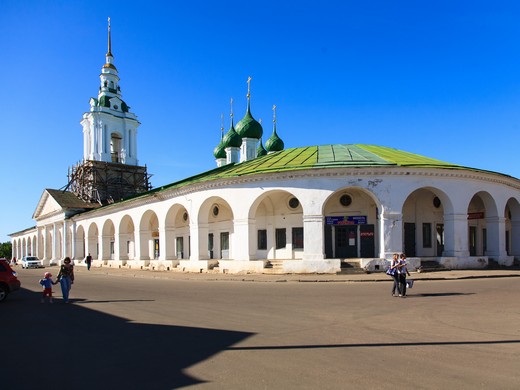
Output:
(430, 266)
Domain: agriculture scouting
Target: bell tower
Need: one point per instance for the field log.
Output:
(109, 170)
(109, 128)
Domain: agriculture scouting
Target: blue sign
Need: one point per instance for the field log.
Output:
(347, 220)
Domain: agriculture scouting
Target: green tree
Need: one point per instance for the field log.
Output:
(6, 250)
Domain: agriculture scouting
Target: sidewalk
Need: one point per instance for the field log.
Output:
(343, 278)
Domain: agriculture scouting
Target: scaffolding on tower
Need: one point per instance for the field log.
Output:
(102, 182)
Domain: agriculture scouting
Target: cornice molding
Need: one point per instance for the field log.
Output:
(169, 193)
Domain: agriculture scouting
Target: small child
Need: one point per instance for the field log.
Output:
(47, 283)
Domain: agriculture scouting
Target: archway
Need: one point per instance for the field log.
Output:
(423, 223)
(351, 225)
(80, 243)
(92, 241)
(126, 238)
(483, 225)
(512, 217)
(215, 221)
(177, 226)
(149, 236)
(278, 217)
(108, 240)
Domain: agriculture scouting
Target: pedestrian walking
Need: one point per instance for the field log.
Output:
(393, 272)
(402, 271)
(88, 260)
(47, 283)
(66, 278)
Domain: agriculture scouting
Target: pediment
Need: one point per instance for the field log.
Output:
(47, 206)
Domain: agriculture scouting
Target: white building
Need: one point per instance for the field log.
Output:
(298, 210)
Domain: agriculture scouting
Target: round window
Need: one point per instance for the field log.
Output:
(185, 216)
(345, 200)
(215, 210)
(436, 202)
(294, 203)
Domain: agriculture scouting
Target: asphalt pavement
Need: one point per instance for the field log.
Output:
(340, 277)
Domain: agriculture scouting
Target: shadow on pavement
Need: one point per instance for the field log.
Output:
(67, 346)
(437, 294)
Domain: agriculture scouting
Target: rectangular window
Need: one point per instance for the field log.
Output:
(262, 239)
(427, 235)
(281, 239)
(210, 241)
(297, 238)
(180, 247)
(224, 241)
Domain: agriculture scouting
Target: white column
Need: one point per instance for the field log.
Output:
(38, 235)
(456, 235)
(45, 243)
(64, 243)
(117, 244)
(169, 243)
(390, 234)
(496, 237)
(198, 241)
(313, 237)
(162, 243)
(241, 247)
(73, 241)
(54, 242)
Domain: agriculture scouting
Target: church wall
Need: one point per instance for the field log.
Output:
(262, 203)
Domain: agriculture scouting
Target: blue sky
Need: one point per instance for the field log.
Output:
(437, 78)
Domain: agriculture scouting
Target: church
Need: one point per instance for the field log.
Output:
(268, 209)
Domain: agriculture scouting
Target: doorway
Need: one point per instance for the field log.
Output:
(472, 240)
(439, 228)
(346, 242)
(409, 239)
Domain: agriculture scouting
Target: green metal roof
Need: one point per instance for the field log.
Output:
(314, 157)
(324, 156)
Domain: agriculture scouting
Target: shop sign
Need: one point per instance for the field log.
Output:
(347, 220)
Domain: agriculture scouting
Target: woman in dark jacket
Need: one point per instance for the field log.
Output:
(394, 267)
(66, 278)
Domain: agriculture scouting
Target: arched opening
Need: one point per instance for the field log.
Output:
(177, 232)
(483, 226)
(108, 240)
(423, 224)
(512, 217)
(115, 147)
(278, 217)
(149, 236)
(80, 243)
(126, 238)
(351, 224)
(92, 241)
(215, 229)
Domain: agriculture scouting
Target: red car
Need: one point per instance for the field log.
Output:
(8, 280)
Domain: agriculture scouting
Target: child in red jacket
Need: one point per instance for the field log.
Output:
(47, 283)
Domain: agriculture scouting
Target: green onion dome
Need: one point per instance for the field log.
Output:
(219, 151)
(274, 143)
(260, 151)
(248, 127)
(232, 139)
